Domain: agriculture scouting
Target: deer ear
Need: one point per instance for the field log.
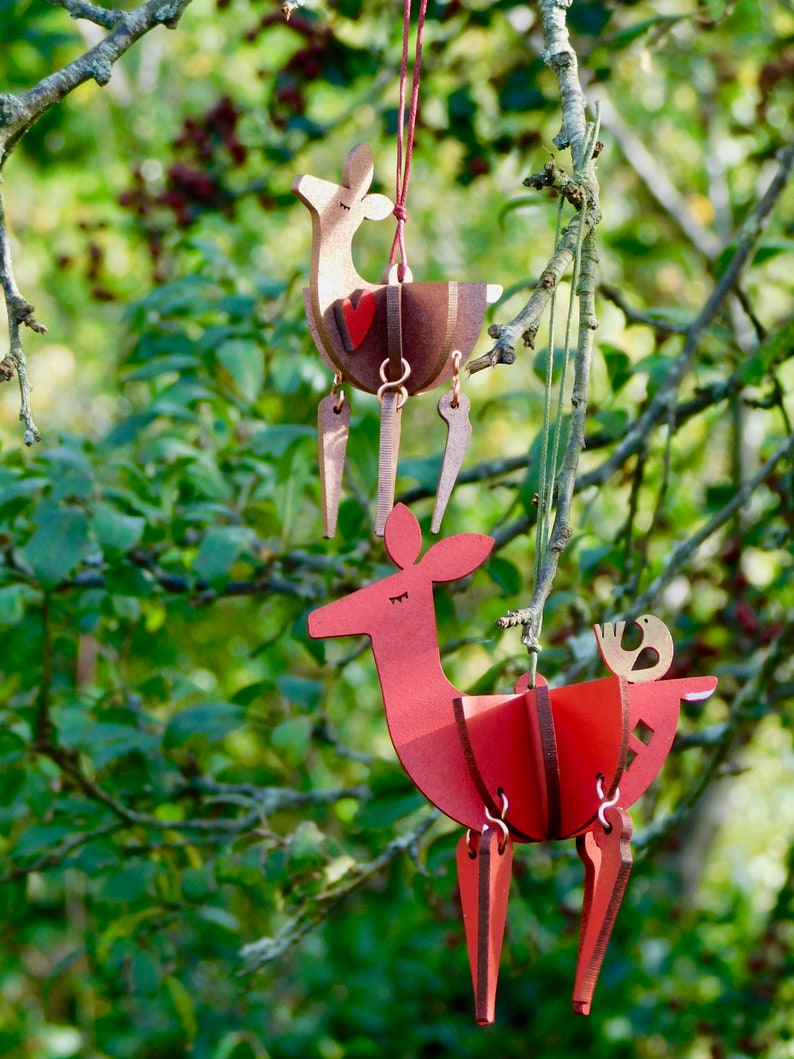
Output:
(358, 169)
(377, 207)
(456, 556)
(403, 536)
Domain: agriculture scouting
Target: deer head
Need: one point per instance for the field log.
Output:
(401, 605)
(338, 211)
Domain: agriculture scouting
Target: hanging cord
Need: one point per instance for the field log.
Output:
(405, 144)
(549, 462)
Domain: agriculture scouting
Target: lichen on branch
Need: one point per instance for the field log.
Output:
(575, 247)
(19, 113)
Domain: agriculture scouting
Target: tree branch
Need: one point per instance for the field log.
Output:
(745, 706)
(746, 244)
(100, 16)
(531, 618)
(561, 58)
(19, 313)
(681, 555)
(20, 113)
(265, 950)
(265, 800)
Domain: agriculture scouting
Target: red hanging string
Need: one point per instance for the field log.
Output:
(405, 145)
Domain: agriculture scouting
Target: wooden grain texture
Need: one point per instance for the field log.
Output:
(389, 447)
(438, 316)
(333, 428)
(456, 415)
(656, 638)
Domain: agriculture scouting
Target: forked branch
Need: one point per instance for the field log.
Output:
(575, 246)
(19, 113)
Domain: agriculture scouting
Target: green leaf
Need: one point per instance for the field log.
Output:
(197, 883)
(623, 37)
(590, 559)
(40, 838)
(176, 362)
(423, 471)
(245, 362)
(240, 1045)
(656, 366)
(292, 737)
(12, 603)
(183, 1005)
(116, 532)
(384, 812)
(612, 422)
(209, 721)
(306, 848)
(274, 441)
(12, 748)
(104, 742)
(618, 366)
(773, 350)
(505, 574)
(122, 926)
(219, 551)
(130, 884)
(58, 545)
(301, 691)
(21, 487)
(144, 973)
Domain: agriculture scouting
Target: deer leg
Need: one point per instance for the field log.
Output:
(454, 410)
(484, 866)
(390, 427)
(607, 860)
(333, 426)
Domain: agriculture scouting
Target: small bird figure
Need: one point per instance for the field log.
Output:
(655, 637)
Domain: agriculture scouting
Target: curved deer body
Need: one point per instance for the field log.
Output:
(397, 614)
(349, 317)
(395, 338)
(539, 763)
(461, 750)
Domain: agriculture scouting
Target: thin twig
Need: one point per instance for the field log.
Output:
(680, 556)
(744, 707)
(561, 57)
(19, 313)
(19, 113)
(265, 950)
(109, 18)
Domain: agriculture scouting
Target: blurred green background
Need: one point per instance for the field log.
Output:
(182, 771)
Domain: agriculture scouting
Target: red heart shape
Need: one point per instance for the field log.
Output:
(354, 321)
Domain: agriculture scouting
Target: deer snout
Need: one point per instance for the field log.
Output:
(336, 619)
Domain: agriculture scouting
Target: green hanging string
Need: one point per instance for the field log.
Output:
(549, 461)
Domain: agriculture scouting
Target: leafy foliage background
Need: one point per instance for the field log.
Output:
(182, 771)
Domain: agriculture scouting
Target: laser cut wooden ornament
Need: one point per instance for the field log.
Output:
(395, 338)
(537, 763)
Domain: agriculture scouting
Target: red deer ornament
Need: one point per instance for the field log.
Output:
(535, 764)
(396, 338)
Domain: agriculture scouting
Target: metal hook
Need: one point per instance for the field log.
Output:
(456, 359)
(397, 384)
(605, 804)
(499, 823)
(336, 387)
